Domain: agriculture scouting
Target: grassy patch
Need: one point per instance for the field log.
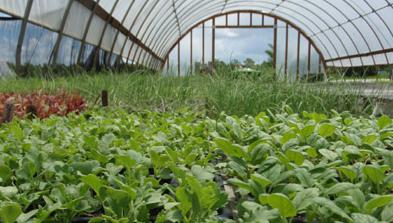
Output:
(212, 94)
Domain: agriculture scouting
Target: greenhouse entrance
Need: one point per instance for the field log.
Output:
(293, 54)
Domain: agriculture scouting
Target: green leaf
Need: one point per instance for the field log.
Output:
(261, 180)
(229, 148)
(363, 218)
(93, 181)
(9, 212)
(86, 167)
(384, 122)
(375, 174)
(5, 173)
(280, 202)
(348, 172)
(326, 130)
(258, 213)
(240, 184)
(8, 191)
(378, 202)
(125, 160)
(307, 131)
(202, 174)
(340, 188)
(23, 218)
(331, 206)
(304, 198)
(387, 213)
(295, 156)
(328, 154)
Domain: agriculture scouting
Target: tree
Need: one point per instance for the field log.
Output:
(249, 63)
(270, 53)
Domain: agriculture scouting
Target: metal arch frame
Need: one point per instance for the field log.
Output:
(87, 28)
(157, 24)
(151, 22)
(22, 33)
(97, 10)
(223, 4)
(139, 32)
(322, 43)
(212, 11)
(276, 19)
(351, 39)
(306, 18)
(130, 29)
(361, 16)
(55, 51)
(99, 45)
(118, 31)
(352, 23)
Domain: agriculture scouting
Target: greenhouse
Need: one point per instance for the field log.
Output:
(269, 111)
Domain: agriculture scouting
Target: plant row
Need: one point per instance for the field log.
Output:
(112, 166)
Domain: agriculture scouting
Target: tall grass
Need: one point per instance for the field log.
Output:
(211, 94)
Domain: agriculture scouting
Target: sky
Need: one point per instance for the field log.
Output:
(241, 44)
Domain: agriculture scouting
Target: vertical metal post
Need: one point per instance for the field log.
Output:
(82, 48)
(238, 19)
(298, 58)
(55, 51)
(191, 51)
(22, 33)
(309, 60)
(167, 65)
(203, 44)
(251, 19)
(275, 43)
(178, 59)
(214, 45)
(286, 50)
(96, 56)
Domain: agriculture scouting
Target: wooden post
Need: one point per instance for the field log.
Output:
(104, 98)
(9, 110)
(31, 111)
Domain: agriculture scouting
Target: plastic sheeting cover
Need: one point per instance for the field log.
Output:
(347, 32)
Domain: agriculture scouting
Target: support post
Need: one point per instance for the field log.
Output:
(214, 45)
(8, 113)
(105, 98)
(309, 61)
(275, 43)
(55, 51)
(191, 52)
(178, 60)
(203, 44)
(83, 42)
(298, 58)
(22, 33)
(286, 50)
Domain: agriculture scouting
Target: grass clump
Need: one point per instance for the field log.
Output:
(140, 91)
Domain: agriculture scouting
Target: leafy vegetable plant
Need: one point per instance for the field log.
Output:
(112, 166)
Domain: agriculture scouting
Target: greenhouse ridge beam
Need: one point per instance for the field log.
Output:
(100, 12)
